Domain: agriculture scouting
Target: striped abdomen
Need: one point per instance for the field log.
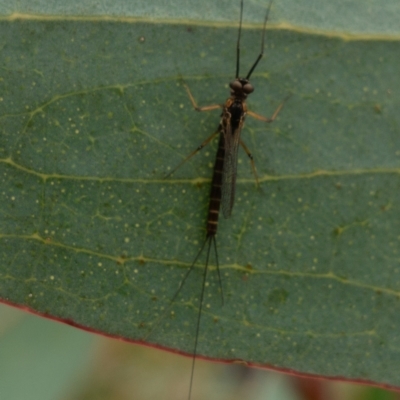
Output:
(215, 193)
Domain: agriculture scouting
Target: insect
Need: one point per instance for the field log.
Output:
(222, 193)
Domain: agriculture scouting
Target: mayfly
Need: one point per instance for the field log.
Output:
(222, 194)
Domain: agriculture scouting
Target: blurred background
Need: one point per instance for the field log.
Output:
(47, 360)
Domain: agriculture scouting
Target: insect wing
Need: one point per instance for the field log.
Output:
(232, 141)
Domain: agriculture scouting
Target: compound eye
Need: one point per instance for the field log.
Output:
(235, 85)
(248, 88)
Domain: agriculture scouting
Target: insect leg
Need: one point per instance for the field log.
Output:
(194, 103)
(274, 115)
(253, 166)
(208, 140)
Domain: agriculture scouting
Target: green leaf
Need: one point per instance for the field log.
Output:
(93, 114)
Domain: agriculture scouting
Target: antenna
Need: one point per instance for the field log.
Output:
(262, 42)
(238, 40)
